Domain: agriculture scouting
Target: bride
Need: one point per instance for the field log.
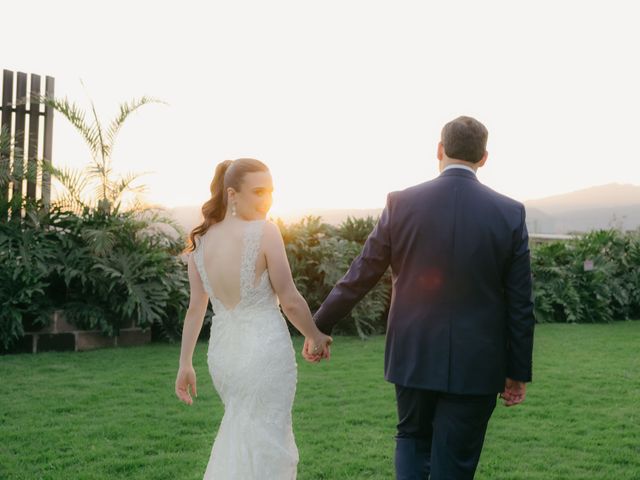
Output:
(239, 264)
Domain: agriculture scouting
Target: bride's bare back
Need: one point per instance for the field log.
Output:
(223, 246)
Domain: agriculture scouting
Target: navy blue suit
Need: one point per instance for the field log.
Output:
(461, 317)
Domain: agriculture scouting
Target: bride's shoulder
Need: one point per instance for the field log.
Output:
(271, 227)
(271, 232)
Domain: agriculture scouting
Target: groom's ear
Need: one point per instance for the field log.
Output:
(483, 160)
(440, 151)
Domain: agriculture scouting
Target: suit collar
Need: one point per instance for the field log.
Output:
(459, 172)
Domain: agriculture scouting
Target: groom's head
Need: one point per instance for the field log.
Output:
(463, 140)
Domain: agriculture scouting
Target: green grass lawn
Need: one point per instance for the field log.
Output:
(111, 414)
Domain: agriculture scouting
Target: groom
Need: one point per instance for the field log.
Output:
(460, 327)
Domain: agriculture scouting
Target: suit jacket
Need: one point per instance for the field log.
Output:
(461, 316)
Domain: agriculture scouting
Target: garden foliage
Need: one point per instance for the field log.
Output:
(594, 278)
(104, 270)
(111, 269)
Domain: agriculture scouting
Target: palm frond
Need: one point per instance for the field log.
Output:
(76, 117)
(138, 205)
(102, 154)
(72, 179)
(5, 154)
(5, 141)
(5, 175)
(100, 141)
(75, 183)
(100, 192)
(7, 147)
(99, 171)
(33, 173)
(97, 126)
(69, 202)
(126, 109)
(124, 184)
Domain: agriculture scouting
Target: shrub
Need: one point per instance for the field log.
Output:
(27, 255)
(105, 270)
(566, 291)
(110, 269)
(320, 255)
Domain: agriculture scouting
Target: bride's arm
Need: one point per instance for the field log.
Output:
(195, 314)
(293, 304)
(186, 378)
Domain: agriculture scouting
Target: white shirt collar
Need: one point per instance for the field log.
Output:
(455, 165)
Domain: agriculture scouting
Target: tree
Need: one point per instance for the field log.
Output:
(108, 188)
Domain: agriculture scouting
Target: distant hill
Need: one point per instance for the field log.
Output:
(612, 195)
(584, 220)
(606, 206)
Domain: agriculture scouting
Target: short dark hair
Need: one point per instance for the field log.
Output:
(465, 138)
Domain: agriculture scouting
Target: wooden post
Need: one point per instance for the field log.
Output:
(18, 152)
(6, 122)
(48, 144)
(34, 129)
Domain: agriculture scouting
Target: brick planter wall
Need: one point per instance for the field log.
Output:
(62, 336)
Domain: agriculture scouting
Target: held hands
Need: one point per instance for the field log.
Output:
(514, 392)
(186, 377)
(317, 348)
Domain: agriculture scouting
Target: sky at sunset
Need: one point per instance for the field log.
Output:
(344, 100)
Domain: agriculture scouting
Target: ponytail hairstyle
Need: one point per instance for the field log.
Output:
(229, 173)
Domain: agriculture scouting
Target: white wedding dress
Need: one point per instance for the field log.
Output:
(252, 364)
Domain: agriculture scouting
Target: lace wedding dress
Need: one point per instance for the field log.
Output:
(252, 364)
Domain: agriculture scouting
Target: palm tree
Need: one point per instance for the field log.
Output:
(108, 188)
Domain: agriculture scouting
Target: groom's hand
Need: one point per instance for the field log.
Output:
(514, 392)
(316, 349)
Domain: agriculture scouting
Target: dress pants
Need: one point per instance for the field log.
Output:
(440, 435)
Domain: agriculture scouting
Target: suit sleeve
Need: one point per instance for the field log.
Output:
(521, 321)
(363, 274)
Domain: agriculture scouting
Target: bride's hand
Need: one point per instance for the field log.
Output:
(317, 348)
(186, 377)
